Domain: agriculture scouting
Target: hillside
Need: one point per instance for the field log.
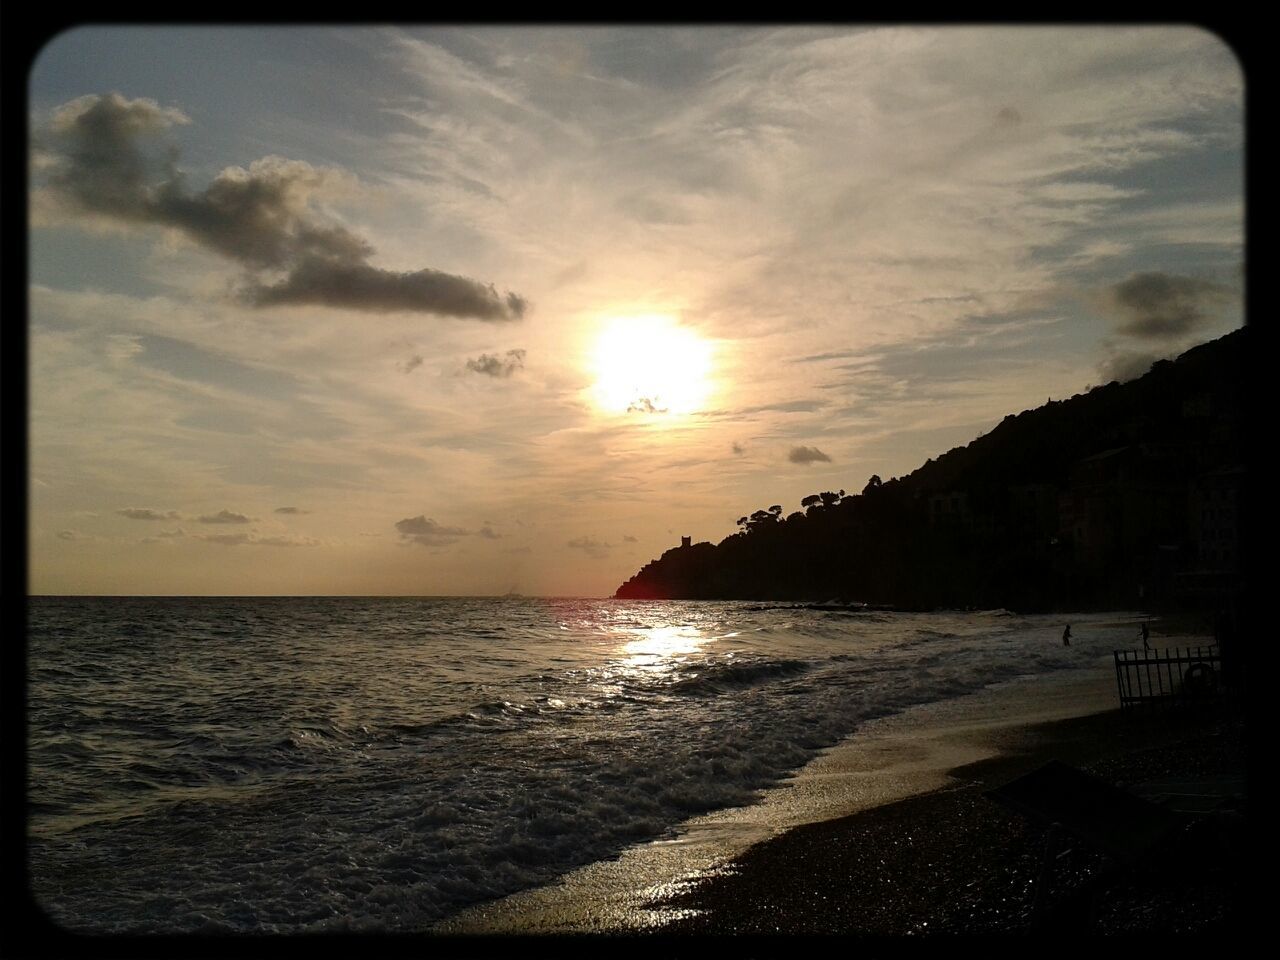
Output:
(1128, 494)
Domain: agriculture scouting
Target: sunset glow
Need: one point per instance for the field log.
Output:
(515, 309)
(650, 365)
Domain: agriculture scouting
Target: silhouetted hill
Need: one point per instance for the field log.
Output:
(1128, 494)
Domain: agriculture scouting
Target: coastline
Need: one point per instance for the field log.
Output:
(726, 870)
(955, 862)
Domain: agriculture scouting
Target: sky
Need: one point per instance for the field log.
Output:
(474, 310)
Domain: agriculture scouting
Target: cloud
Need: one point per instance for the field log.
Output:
(487, 532)
(142, 513)
(492, 366)
(739, 449)
(291, 510)
(629, 539)
(1008, 117)
(788, 406)
(423, 530)
(325, 281)
(807, 455)
(413, 363)
(1124, 366)
(224, 516)
(228, 539)
(253, 540)
(644, 405)
(263, 217)
(71, 535)
(591, 547)
(279, 541)
(1162, 306)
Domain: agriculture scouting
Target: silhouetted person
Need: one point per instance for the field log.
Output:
(1146, 636)
(1066, 636)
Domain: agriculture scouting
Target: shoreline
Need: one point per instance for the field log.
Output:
(955, 862)
(915, 753)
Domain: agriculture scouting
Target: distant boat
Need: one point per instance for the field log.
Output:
(511, 594)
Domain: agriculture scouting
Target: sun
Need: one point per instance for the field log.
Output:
(650, 365)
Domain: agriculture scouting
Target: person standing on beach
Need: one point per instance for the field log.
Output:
(1066, 636)
(1146, 636)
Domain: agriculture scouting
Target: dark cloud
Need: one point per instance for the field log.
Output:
(739, 449)
(423, 530)
(413, 363)
(629, 539)
(591, 547)
(807, 455)
(644, 405)
(93, 142)
(487, 532)
(291, 510)
(1162, 306)
(142, 513)
(224, 516)
(492, 366)
(263, 218)
(69, 535)
(327, 282)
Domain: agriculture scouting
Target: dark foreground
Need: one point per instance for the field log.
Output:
(958, 862)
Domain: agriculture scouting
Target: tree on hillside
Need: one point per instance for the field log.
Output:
(761, 519)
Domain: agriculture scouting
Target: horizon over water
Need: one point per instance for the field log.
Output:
(309, 764)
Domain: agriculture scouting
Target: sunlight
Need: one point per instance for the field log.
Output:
(650, 365)
(656, 647)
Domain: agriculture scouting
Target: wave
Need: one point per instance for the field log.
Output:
(716, 678)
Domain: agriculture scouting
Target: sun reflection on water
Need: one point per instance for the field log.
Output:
(659, 649)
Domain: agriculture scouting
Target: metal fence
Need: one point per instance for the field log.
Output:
(1177, 678)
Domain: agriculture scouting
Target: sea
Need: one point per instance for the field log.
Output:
(308, 765)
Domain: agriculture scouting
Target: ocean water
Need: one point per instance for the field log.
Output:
(320, 764)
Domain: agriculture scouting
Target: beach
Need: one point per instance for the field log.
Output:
(893, 833)
(955, 862)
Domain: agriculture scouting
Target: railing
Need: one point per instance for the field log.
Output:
(1153, 678)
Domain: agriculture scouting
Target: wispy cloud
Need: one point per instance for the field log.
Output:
(593, 548)
(224, 516)
(143, 513)
(254, 540)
